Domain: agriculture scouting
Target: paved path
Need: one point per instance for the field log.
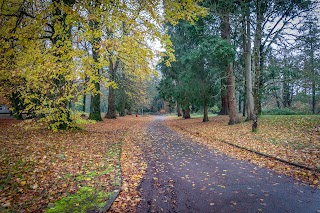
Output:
(184, 176)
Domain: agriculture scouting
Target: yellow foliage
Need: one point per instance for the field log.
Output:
(49, 51)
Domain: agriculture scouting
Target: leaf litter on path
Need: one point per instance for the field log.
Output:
(133, 167)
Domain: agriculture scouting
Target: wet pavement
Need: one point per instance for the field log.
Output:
(185, 176)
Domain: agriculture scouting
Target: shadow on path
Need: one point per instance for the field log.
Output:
(184, 176)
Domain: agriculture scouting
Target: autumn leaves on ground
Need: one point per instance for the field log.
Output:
(73, 171)
(82, 170)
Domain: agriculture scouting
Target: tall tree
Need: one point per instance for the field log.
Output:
(225, 34)
(272, 19)
(200, 56)
(257, 63)
(43, 35)
(309, 45)
(246, 27)
(95, 27)
(111, 114)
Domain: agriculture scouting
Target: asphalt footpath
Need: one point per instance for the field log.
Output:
(185, 176)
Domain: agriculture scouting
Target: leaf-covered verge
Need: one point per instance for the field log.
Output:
(294, 139)
(64, 171)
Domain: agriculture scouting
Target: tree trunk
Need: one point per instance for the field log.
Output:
(313, 83)
(111, 114)
(224, 97)
(248, 75)
(244, 106)
(95, 113)
(122, 104)
(286, 93)
(86, 79)
(62, 115)
(186, 113)
(257, 55)
(233, 115)
(240, 103)
(232, 102)
(313, 95)
(178, 110)
(205, 110)
(84, 103)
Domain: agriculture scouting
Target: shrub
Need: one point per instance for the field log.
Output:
(283, 111)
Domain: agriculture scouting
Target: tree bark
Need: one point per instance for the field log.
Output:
(233, 115)
(257, 60)
(111, 114)
(122, 104)
(178, 110)
(244, 106)
(95, 112)
(205, 110)
(84, 103)
(232, 102)
(240, 103)
(186, 113)
(247, 55)
(224, 97)
(313, 83)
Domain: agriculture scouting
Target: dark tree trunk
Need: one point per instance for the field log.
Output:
(186, 113)
(205, 110)
(286, 94)
(313, 86)
(84, 103)
(260, 91)
(178, 110)
(240, 103)
(111, 114)
(257, 55)
(313, 96)
(86, 79)
(261, 63)
(95, 113)
(232, 102)
(224, 98)
(122, 107)
(278, 104)
(244, 106)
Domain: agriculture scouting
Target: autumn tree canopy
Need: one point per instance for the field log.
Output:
(50, 49)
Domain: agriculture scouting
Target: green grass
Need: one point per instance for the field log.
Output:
(86, 199)
(295, 130)
(193, 115)
(93, 174)
(284, 111)
(297, 121)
